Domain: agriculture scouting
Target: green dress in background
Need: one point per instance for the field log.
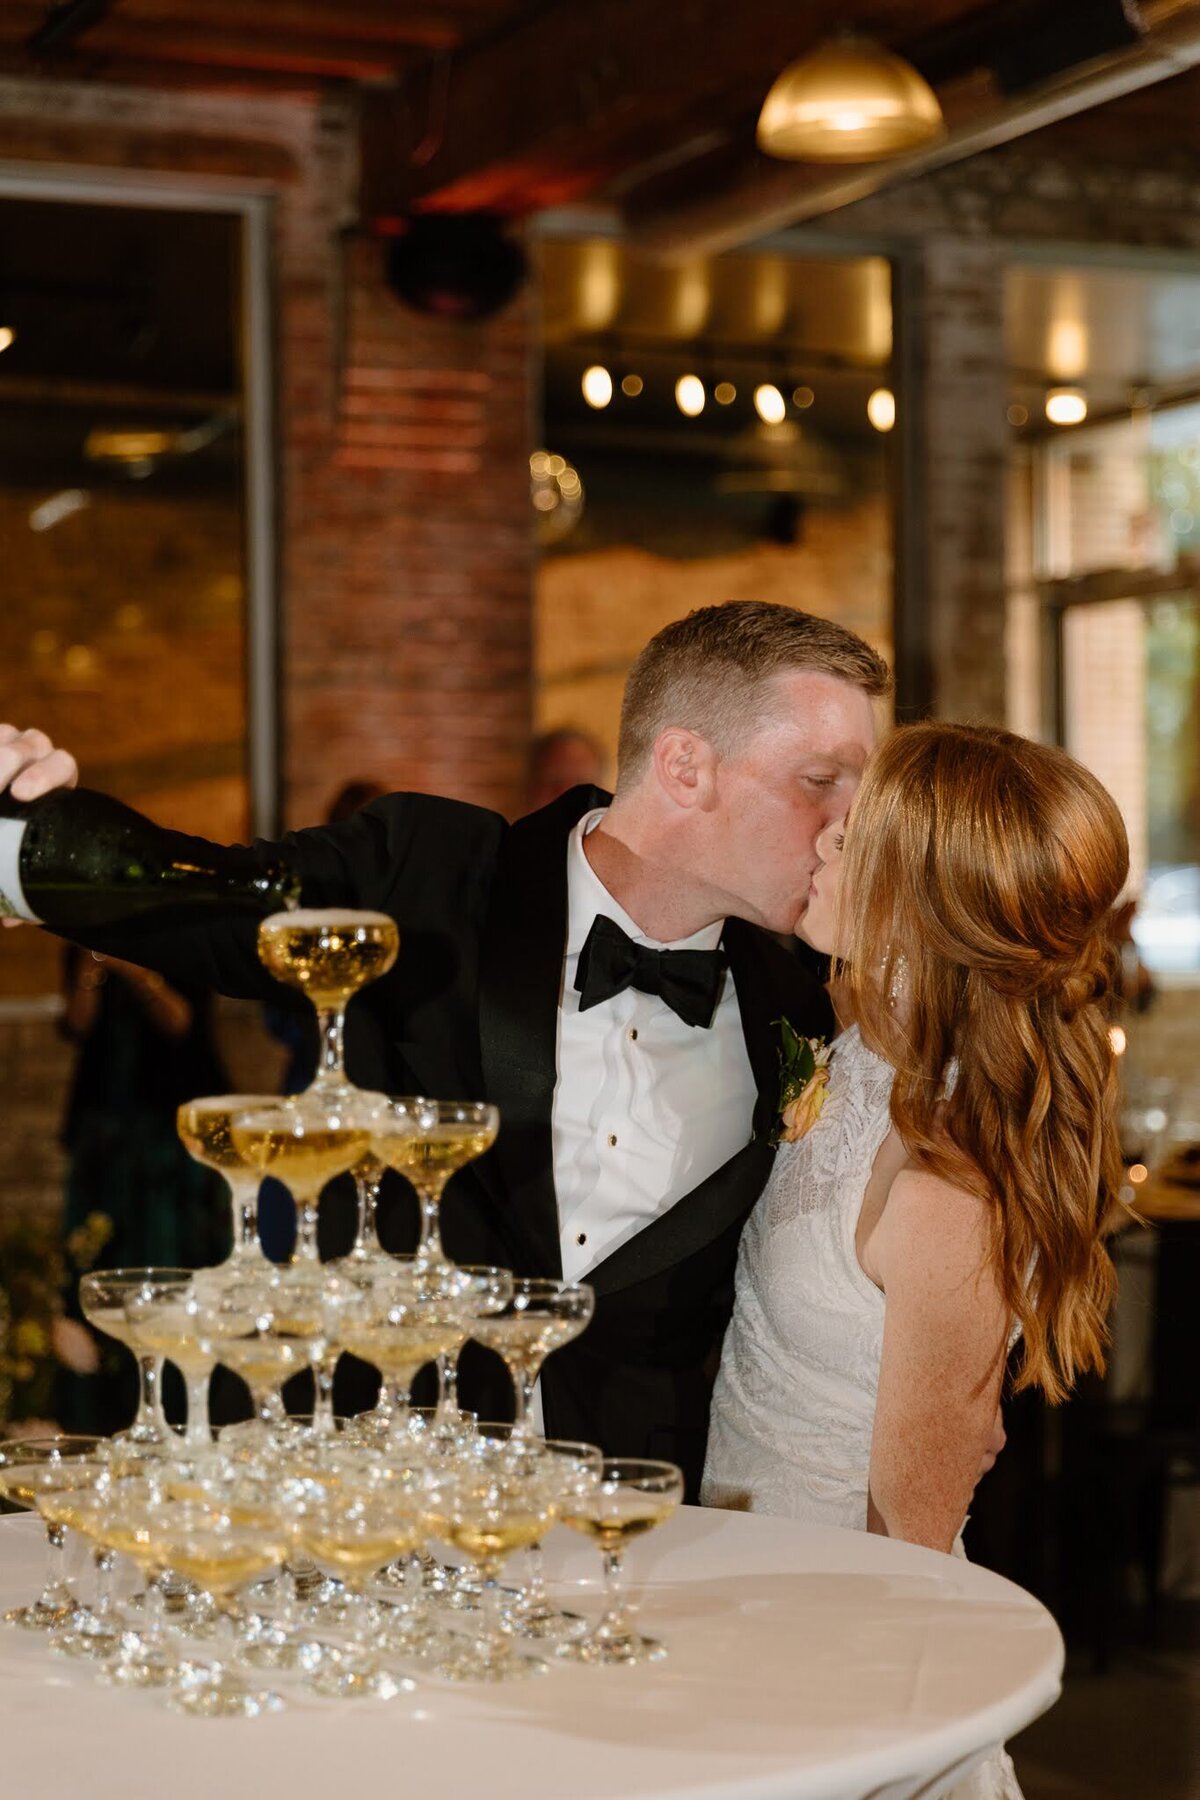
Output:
(126, 1164)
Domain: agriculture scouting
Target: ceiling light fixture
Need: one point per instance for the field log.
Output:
(597, 385)
(769, 404)
(848, 100)
(881, 409)
(689, 396)
(1066, 405)
(7, 336)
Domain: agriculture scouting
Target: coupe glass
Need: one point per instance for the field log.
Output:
(631, 1497)
(93, 1630)
(304, 1143)
(102, 1295)
(353, 1533)
(415, 1314)
(29, 1468)
(222, 1552)
(252, 1330)
(449, 1134)
(497, 1500)
(328, 954)
(573, 1471)
(204, 1131)
(541, 1317)
(165, 1315)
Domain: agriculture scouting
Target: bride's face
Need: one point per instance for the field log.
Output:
(818, 922)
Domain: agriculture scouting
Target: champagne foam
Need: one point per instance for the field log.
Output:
(318, 918)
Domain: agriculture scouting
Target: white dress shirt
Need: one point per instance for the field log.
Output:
(645, 1106)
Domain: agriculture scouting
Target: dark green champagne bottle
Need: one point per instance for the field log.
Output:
(73, 860)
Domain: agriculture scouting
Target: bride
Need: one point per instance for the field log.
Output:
(954, 1189)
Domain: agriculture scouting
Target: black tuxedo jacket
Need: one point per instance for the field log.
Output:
(469, 1011)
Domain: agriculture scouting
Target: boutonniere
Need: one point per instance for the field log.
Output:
(803, 1082)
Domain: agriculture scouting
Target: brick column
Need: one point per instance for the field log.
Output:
(960, 446)
(408, 624)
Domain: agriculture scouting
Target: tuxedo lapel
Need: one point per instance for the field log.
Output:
(520, 977)
(770, 983)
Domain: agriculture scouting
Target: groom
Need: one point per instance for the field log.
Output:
(603, 971)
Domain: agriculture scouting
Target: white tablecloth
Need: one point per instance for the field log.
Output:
(805, 1664)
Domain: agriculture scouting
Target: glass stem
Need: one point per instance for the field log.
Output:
(366, 1241)
(615, 1622)
(535, 1587)
(331, 1064)
(307, 1213)
(398, 1389)
(268, 1406)
(198, 1431)
(244, 1203)
(496, 1629)
(103, 1563)
(524, 1379)
(150, 1413)
(323, 1372)
(56, 1591)
(430, 1250)
(447, 1373)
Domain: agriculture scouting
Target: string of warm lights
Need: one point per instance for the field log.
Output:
(1062, 405)
(691, 396)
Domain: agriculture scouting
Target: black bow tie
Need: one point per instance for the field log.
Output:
(688, 981)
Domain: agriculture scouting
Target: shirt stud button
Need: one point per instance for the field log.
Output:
(612, 1140)
(633, 1034)
(582, 1238)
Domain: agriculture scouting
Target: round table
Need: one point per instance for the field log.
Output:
(805, 1664)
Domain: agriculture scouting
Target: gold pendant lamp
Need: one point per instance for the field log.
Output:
(848, 100)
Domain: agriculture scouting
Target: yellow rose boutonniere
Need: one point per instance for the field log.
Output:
(803, 1083)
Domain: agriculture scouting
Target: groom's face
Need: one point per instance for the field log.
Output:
(795, 775)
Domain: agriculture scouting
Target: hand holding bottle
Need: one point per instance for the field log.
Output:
(75, 860)
(31, 765)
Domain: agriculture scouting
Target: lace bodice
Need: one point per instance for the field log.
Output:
(794, 1403)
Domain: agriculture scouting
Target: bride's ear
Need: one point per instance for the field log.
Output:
(685, 767)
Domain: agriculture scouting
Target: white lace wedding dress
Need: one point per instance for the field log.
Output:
(794, 1403)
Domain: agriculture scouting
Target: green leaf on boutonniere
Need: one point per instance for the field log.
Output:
(800, 1058)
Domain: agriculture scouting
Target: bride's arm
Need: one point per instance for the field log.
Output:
(944, 1337)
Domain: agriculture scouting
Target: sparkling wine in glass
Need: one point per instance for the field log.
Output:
(447, 1135)
(165, 1315)
(30, 1468)
(328, 953)
(497, 1500)
(304, 1143)
(102, 1296)
(205, 1131)
(542, 1316)
(632, 1496)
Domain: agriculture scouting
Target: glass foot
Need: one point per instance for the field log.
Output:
(141, 1668)
(544, 1624)
(275, 1648)
(43, 1615)
(215, 1694)
(482, 1662)
(613, 1648)
(344, 1676)
(85, 1635)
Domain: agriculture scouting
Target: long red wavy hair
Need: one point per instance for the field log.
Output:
(978, 880)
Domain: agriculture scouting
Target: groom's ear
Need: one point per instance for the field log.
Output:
(685, 766)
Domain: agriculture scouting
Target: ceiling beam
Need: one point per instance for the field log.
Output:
(770, 196)
(538, 111)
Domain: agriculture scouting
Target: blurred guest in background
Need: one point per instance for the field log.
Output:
(145, 1046)
(559, 760)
